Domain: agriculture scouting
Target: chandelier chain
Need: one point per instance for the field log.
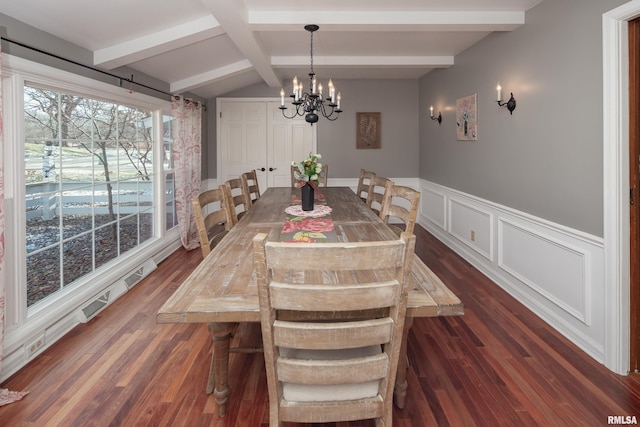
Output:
(312, 53)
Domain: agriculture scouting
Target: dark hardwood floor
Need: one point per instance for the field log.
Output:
(498, 365)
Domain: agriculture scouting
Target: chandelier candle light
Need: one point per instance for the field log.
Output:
(308, 104)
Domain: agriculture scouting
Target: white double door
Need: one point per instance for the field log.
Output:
(253, 134)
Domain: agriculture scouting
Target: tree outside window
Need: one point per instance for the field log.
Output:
(89, 185)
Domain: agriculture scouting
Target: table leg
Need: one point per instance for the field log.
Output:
(400, 391)
(219, 369)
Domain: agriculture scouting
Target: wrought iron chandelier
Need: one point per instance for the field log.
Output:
(309, 104)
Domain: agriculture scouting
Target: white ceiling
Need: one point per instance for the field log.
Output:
(211, 47)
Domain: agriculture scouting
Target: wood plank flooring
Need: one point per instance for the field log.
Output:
(498, 365)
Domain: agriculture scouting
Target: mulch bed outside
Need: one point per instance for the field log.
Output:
(43, 268)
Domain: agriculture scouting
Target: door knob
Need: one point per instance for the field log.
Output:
(272, 169)
(262, 169)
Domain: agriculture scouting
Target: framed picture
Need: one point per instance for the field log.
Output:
(367, 130)
(467, 118)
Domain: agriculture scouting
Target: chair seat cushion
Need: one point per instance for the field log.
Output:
(324, 393)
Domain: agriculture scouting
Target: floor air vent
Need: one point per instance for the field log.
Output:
(135, 276)
(99, 302)
(96, 305)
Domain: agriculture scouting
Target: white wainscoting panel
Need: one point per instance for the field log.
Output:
(433, 206)
(554, 263)
(555, 271)
(472, 226)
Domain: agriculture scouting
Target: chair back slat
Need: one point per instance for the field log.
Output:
(340, 256)
(343, 411)
(307, 371)
(338, 297)
(332, 335)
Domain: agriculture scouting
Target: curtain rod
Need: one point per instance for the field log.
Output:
(121, 79)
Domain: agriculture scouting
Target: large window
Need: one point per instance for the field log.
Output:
(88, 198)
(89, 185)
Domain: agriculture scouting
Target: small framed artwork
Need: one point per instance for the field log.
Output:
(467, 118)
(368, 130)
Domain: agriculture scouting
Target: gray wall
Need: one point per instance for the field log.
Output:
(396, 100)
(546, 159)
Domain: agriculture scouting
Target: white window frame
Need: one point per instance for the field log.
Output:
(55, 313)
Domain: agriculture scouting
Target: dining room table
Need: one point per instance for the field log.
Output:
(222, 292)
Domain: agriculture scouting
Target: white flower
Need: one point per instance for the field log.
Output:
(310, 166)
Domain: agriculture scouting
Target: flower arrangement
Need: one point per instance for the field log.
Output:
(308, 170)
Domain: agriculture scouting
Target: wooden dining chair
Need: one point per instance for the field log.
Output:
(376, 193)
(250, 182)
(400, 202)
(294, 181)
(238, 197)
(364, 181)
(332, 343)
(215, 215)
(212, 216)
(322, 181)
(324, 176)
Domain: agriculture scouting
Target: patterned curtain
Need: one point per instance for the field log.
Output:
(6, 396)
(187, 128)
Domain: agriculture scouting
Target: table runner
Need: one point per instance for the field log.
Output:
(308, 226)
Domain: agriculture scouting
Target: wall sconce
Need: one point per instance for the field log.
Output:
(439, 118)
(510, 104)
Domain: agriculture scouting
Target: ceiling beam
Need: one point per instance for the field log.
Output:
(209, 77)
(156, 43)
(286, 20)
(233, 16)
(365, 61)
